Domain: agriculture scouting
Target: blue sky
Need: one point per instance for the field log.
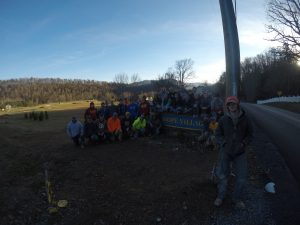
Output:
(96, 39)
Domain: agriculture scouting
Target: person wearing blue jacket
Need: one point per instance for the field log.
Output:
(104, 110)
(75, 131)
(133, 108)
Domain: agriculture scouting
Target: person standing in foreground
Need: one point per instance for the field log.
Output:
(233, 134)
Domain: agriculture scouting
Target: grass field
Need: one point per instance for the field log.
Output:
(63, 106)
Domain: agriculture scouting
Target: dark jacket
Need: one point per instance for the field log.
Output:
(92, 112)
(90, 129)
(126, 123)
(234, 138)
(121, 109)
(104, 111)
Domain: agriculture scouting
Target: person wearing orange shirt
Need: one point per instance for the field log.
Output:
(114, 127)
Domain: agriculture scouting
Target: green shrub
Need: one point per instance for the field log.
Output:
(31, 115)
(41, 116)
(46, 115)
(35, 116)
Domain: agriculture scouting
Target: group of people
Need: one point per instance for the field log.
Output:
(114, 123)
(231, 128)
(191, 102)
(201, 104)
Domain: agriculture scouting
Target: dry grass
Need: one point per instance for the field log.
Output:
(63, 106)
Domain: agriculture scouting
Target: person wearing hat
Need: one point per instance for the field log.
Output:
(114, 127)
(91, 112)
(233, 134)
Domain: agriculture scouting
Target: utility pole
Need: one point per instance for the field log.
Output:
(232, 48)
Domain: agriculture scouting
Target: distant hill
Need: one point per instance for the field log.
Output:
(33, 91)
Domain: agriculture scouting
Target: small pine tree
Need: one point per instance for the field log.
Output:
(26, 116)
(41, 116)
(46, 115)
(35, 116)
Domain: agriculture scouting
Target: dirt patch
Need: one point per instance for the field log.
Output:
(158, 180)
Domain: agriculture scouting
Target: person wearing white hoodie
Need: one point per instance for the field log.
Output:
(75, 131)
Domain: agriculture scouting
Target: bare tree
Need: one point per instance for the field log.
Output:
(135, 78)
(184, 70)
(121, 78)
(170, 74)
(121, 82)
(284, 16)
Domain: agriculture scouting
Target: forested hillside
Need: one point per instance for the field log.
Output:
(33, 91)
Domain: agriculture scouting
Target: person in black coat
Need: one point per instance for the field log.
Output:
(233, 134)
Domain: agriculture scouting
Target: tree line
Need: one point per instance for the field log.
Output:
(275, 72)
(34, 91)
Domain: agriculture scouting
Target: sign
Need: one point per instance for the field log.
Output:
(181, 121)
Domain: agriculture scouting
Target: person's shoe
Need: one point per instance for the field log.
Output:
(218, 202)
(240, 205)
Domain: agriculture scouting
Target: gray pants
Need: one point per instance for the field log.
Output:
(223, 170)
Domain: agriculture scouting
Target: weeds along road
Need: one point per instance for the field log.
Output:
(283, 127)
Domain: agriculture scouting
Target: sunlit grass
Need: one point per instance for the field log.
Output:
(51, 107)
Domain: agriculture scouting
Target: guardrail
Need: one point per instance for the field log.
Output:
(294, 99)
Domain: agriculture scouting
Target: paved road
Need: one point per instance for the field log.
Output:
(283, 128)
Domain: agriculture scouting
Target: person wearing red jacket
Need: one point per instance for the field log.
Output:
(144, 107)
(91, 112)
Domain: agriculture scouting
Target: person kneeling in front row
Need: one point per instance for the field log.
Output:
(114, 127)
(75, 131)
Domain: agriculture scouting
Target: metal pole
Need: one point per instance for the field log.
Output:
(232, 49)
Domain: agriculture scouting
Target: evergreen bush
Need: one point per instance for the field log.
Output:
(41, 116)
